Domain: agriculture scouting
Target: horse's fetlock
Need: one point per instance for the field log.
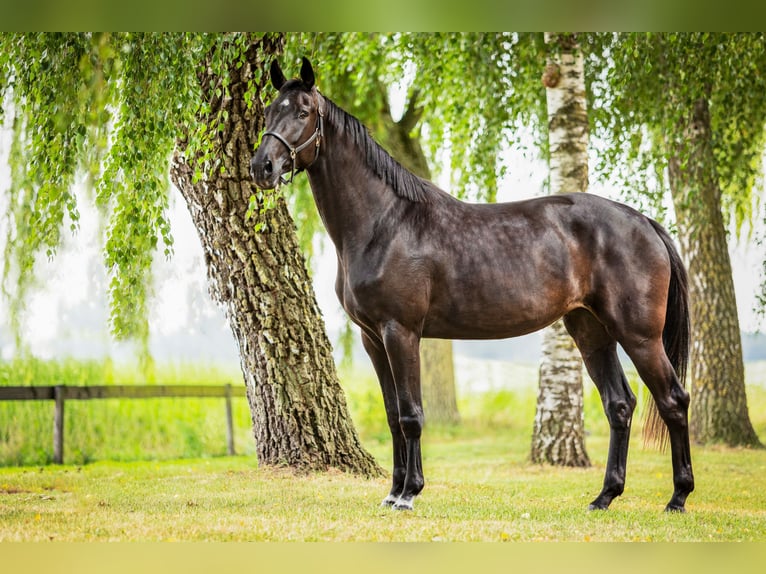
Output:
(616, 484)
(684, 481)
(414, 486)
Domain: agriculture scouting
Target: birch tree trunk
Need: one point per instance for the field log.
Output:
(719, 410)
(559, 436)
(257, 272)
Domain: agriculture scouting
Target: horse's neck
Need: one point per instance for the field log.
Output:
(349, 197)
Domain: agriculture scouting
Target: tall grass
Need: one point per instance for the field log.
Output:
(118, 429)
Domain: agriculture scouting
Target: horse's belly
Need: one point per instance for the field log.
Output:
(453, 331)
(492, 321)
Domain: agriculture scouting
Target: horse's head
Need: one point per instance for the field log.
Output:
(293, 129)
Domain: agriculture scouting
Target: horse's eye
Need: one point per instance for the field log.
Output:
(303, 114)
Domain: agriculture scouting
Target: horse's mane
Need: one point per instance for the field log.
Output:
(404, 183)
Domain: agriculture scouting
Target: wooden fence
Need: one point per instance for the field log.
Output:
(62, 393)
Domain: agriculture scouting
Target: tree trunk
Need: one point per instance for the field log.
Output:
(437, 380)
(558, 436)
(257, 272)
(719, 404)
(437, 367)
(558, 432)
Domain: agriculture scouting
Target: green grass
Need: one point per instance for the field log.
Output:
(479, 486)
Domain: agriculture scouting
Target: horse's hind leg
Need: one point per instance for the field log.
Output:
(377, 353)
(672, 402)
(599, 352)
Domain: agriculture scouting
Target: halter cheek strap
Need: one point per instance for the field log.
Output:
(316, 137)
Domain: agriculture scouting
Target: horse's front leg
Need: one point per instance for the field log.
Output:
(377, 354)
(403, 349)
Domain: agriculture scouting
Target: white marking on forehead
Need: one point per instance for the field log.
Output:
(285, 103)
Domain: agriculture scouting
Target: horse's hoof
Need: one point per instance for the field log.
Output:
(404, 504)
(388, 501)
(675, 508)
(593, 507)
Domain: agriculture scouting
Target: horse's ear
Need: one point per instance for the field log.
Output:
(277, 77)
(307, 73)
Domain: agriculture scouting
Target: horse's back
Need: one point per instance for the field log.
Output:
(508, 269)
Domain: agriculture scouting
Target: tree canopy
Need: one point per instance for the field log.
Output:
(472, 90)
(643, 86)
(108, 107)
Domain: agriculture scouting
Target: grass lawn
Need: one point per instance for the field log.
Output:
(480, 485)
(479, 488)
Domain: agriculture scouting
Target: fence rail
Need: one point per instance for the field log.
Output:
(62, 393)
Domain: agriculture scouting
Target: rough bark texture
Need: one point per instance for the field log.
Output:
(298, 408)
(437, 367)
(558, 436)
(718, 404)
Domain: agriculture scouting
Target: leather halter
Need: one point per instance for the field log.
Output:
(295, 150)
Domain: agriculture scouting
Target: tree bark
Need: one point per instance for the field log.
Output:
(437, 367)
(558, 436)
(719, 410)
(257, 272)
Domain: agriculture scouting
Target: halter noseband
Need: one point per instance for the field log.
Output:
(294, 151)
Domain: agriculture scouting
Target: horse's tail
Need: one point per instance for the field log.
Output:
(675, 335)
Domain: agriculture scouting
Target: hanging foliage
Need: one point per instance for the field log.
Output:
(109, 107)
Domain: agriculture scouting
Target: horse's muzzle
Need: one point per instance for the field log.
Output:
(262, 171)
(267, 170)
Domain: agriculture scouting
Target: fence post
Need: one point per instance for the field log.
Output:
(229, 422)
(58, 425)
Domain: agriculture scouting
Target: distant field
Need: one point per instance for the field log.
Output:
(114, 429)
(755, 373)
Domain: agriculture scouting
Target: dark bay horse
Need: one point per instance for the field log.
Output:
(415, 262)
